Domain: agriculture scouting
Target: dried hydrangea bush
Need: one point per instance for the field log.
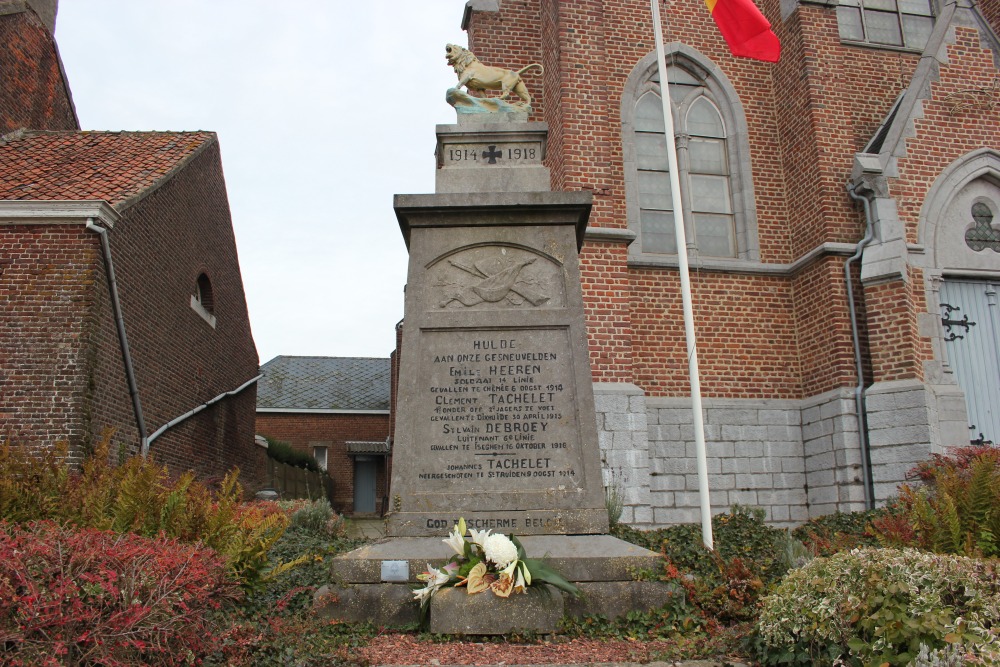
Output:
(880, 606)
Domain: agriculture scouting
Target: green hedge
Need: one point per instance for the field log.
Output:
(283, 452)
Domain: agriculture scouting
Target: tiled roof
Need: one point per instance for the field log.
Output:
(324, 383)
(113, 166)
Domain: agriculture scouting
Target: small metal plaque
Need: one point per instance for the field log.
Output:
(395, 570)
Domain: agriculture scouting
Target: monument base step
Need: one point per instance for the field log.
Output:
(607, 571)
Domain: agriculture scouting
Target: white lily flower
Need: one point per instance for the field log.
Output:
(519, 585)
(479, 536)
(434, 577)
(423, 594)
(526, 572)
(456, 541)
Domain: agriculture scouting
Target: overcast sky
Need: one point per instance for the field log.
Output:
(324, 110)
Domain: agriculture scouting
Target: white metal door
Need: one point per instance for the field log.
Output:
(971, 321)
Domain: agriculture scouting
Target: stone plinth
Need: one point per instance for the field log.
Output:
(480, 155)
(455, 612)
(603, 567)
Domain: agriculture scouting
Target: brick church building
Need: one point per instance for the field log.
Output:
(856, 180)
(121, 299)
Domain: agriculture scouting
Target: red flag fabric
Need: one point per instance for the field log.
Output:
(745, 29)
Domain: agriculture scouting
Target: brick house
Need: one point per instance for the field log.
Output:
(337, 409)
(876, 137)
(122, 300)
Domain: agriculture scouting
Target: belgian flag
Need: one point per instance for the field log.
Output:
(745, 29)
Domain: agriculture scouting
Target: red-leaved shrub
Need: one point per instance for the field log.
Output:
(88, 597)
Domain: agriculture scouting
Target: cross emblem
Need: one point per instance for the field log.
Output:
(492, 154)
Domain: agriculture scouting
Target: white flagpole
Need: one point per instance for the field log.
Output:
(682, 260)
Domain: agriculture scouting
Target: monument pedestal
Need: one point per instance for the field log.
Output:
(603, 567)
(495, 418)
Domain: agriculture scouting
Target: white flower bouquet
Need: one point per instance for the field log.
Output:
(485, 561)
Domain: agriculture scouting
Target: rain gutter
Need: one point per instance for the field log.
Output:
(859, 403)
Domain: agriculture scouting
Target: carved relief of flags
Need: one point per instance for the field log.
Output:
(745, 29)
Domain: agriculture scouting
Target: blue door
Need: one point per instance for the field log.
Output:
(364, 484)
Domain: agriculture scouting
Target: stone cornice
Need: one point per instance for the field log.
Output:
(610, 234)
(739, 266)
(31, 212)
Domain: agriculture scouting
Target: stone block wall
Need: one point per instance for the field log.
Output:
(796, 459)
(754, 453)
(623, 437)
(832, 451)
(899, 430)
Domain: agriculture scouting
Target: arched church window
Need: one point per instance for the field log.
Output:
(712, 156)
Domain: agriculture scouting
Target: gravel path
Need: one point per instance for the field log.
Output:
(398, 650)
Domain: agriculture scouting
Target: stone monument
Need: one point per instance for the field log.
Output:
(495, 418)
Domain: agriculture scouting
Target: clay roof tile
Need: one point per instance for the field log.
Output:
(113, 166)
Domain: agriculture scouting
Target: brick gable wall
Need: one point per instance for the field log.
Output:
(159, 247)
(33, 90)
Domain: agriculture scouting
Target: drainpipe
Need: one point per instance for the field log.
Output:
(859, 404)
(116, 307)
(190, 413)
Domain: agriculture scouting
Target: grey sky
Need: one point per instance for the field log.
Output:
(324, 110)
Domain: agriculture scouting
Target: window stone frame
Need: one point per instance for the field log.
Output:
(723, 94)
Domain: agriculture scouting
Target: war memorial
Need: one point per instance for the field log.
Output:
(495, 421)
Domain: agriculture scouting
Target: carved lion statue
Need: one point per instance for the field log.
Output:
(476, 76)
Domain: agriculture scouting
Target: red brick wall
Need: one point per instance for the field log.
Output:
(159, 248)
(301, 430)
(822, 322)
(606, 294)
(744, 327)
(47, 282)
(33, 90)
(759, 336)
(991, 11)
(944, 135)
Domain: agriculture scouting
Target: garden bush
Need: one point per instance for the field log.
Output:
(276, 624)
(840, 531)
(877, 606)
(727, 583)
(956, 510)
(139, 497)
(90, 597)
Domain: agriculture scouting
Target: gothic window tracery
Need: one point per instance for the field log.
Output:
(712, 156)
(982, 234)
